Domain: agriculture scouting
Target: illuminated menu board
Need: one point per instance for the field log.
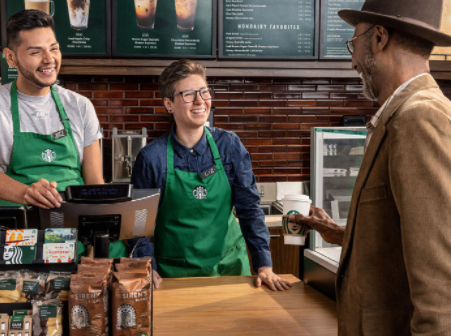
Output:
(164, 28)
(334, 31)
(268, 29)
(83, 27)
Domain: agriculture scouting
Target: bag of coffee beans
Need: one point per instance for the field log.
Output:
(132, 304)
(89, 260)
(57, 285)
(88, 305)
(129, 260)
(47, 318)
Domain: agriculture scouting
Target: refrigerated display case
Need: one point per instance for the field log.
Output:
(336, 156)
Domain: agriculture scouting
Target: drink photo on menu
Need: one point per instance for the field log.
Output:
(82, 27)
(46, 6)
(163, 27)
(78, 13)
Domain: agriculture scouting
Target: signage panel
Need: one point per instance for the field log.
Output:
(268, 29)
(164, 28)
(334, 31)
(83, 27)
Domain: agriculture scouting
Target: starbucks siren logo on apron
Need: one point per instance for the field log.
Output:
(48, 155)
(200, 193)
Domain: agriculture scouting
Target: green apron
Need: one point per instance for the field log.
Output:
(196, 233)
(35, 156)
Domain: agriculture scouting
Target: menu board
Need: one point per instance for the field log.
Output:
(164, 28)
(268, 29)
(82, 26)
(334, 31)
(8, 74)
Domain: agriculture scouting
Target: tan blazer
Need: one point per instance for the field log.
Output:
(395, 269)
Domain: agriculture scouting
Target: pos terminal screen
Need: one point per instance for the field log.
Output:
(99, 193)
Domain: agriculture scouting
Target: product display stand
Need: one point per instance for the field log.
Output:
(38, 265)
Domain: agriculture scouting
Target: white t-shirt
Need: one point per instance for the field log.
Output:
(40, 115)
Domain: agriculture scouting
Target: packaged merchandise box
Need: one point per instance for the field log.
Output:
(20, 325)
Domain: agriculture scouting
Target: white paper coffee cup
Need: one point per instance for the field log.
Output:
(295, 234)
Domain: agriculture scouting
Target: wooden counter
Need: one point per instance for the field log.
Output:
(233, 306)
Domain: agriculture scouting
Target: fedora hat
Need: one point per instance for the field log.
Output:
(421, 18)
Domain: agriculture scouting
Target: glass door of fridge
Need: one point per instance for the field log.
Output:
(336, 156)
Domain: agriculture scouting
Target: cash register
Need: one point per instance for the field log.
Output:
(104, 213)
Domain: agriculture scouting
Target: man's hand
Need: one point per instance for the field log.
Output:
(266, 275)
(320, 221)
(42, 194)
(157, 280)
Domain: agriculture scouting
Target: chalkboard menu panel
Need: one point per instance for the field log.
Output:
(8, 74)
(334, 31)
(268, 29)
(164, 28)
(83, 27)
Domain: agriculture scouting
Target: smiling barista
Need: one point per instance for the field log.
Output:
(202, 173)
(49, 136)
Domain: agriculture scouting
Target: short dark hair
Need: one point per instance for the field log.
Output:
(27, 19)
(412, 43)
(177, 71)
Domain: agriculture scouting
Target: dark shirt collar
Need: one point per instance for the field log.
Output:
(182, 150)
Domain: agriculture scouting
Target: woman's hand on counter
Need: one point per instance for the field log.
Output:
(275, 282)
(320, 221)
(157, 280)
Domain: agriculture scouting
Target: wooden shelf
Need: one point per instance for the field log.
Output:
(140, 67)
(214, 68)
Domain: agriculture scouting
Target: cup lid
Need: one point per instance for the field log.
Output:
(297, 197)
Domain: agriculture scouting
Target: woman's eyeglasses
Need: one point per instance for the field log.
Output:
(189, 96)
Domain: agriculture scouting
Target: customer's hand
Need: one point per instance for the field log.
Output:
(157, 280)
(320, 221)
(266, 275)
(42, 194)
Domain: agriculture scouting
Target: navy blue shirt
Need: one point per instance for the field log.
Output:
(150, 171)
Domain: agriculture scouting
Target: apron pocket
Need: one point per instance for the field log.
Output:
(171, 267)
(234, 262)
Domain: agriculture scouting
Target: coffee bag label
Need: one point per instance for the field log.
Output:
(31, 287)
(80, 317)
(126, 317)
(47, 311)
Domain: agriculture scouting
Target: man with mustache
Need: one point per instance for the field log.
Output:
(395, 265)
(49, 136)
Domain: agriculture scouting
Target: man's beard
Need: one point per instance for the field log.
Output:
(30, 76)
(369, 71)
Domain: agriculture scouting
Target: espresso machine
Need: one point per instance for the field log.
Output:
(126, 147)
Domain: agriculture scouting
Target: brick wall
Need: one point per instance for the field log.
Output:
(272, 116)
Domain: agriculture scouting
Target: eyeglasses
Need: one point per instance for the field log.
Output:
(189, 96)
(350, 43)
